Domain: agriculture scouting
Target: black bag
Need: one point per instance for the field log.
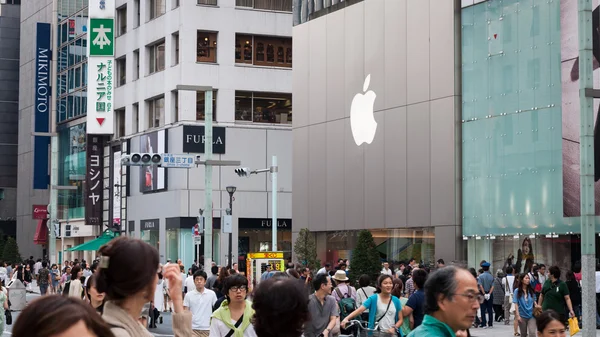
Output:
(8, 316)
(66, 288)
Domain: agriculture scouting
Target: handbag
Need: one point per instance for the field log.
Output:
(573, 325)
(8, 316)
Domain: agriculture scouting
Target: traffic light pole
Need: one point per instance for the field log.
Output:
(274, 170)
(53, 205)
(208, 147)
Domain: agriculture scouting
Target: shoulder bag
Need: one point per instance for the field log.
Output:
(237, 325)
(510, 297)
(386, 311)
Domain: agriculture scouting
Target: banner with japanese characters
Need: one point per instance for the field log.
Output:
(94, 178)
(101, 72)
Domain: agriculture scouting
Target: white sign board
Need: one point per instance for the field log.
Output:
(178, 160)
(227, 224)
(117, 188)
(197, 240)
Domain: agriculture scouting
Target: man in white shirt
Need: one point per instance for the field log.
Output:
(542, 274)
(507, 283)
(325, 270)
(200, 302)
(386, 269)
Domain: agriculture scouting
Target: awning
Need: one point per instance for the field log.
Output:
(41, 233)
(96, 243)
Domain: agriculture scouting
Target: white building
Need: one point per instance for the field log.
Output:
(240, 48)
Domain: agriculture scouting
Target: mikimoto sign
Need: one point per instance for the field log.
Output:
(101, 69)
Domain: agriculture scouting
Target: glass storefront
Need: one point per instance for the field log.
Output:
(394, 245)
(72, 156)
(255, 235)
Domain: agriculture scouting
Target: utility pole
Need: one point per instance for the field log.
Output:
(53, 209)
(208, 147)
(273, 169)
(586, 155)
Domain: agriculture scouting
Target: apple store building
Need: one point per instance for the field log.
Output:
(376, 130)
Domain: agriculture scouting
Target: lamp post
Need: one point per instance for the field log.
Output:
(231, 190)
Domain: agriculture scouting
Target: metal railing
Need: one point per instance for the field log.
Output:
(207, 2)
(273, 5)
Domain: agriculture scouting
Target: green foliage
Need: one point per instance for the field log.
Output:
(2, 244)
(11, 250)
(365, 258)
(305, 249)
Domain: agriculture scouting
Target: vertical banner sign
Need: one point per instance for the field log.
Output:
(117, 188)
(41, 179)
(101, 51)
(94, 178)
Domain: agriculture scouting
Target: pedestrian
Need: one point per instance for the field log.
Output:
(200, 302)
(37, 266)
(234, 317)
(3, 272)
(486, 287)
(410, 283)
(498, 297)
(550, 324)
(266, 275)
(452, 299)
(555, 295)
(95, 297)
(386, 269)
(128, 274)
(55, 274)
(398, 291)
(60, 316)
(64, 279)
(28, 278)
(509, 282)
(218, 286)
(322, 307)
(574, 293)
(343, 289)
(73, 287)
(212, 279)
(325, 270)
(3, 305)
(157, 302)
(44, 278)
(382, 314)
(415, 305)
(524, 299)
(441, 263)
(365, 291)
(280, 308)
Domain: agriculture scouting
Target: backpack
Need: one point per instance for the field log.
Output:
(347, 304)
(535, 283)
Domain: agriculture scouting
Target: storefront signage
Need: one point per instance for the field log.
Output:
(193, 139)
(150, 224)
(101, 51)
(39, 212)
(43, 55)
(266, 255)
(253, 223)
(94, 179)
(117, 188)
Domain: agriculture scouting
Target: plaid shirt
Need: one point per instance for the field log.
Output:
(410, 287)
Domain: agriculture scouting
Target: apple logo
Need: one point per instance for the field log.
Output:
(362, 120)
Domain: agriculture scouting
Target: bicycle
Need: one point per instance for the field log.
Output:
(362, 331)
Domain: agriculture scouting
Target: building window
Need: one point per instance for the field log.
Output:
(272, 5)
(156, 57)
(121, 71)
(122, 20)
(263, 50)
(206, 50)
(175, 48)
(260, 107)
(136, 63)
(136, 8)
(120, 123)
(175, 4)
(136, 118)
(157, 8)
(156, 112)
(207, 2)
(201, 105)
(176, 105)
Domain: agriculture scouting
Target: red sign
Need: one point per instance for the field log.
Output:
(39, 212)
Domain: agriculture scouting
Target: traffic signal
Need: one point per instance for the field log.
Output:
(56, 228)
(243, 171)
(67, 231)
(141, 159)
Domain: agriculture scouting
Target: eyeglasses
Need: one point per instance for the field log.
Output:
(240, 288)
(473, 297)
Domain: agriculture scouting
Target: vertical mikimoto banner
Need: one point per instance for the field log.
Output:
(101, 73)
(42, 106)
(94, 178)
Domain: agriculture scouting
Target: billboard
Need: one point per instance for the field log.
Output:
(193, 139)
(570, 106)
(101, 73)
(94, 181)
(153, 178)
(117, 187)
(43, 54)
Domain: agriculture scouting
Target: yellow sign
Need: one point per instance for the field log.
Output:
(265, 255)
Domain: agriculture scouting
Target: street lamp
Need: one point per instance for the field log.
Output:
(231, 190)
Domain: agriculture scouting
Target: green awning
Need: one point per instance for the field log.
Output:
(94, 244)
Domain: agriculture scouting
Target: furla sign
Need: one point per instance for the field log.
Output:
(193, 139)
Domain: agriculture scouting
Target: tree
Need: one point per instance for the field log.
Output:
(11, 250)
(365, 258)
(2, 244)
(305, 249)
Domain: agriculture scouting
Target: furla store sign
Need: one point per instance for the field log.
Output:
(193, 139)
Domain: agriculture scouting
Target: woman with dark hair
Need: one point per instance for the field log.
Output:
(498, 299)
(382, 314)
(363, 293)
(550, 324)
(524, 300)
(95, 297)
(292, 272)
(555, 295)
(128, 274)
(281, 308)
(27, 278)
(218, 286)
(574, 293)
(52, 316)
(235, 313)
(73, 287)
(398, 291)
(525, 257)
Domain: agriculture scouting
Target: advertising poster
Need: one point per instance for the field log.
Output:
(570, 105)
(153, 178)
(117, 172)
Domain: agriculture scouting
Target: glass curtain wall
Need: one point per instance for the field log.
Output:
(72, 156)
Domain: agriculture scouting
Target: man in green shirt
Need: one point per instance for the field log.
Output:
(451, 303)
(555, 294)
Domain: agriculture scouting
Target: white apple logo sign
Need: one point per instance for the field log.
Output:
(362, 120)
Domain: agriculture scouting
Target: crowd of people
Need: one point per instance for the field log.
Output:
(123, 293)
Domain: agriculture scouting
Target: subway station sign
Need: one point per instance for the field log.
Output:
(101, 69)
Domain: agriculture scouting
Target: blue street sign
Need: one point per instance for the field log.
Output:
(178, 160)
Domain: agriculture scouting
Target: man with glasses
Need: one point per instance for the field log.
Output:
(451, 302)
(200, 303)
